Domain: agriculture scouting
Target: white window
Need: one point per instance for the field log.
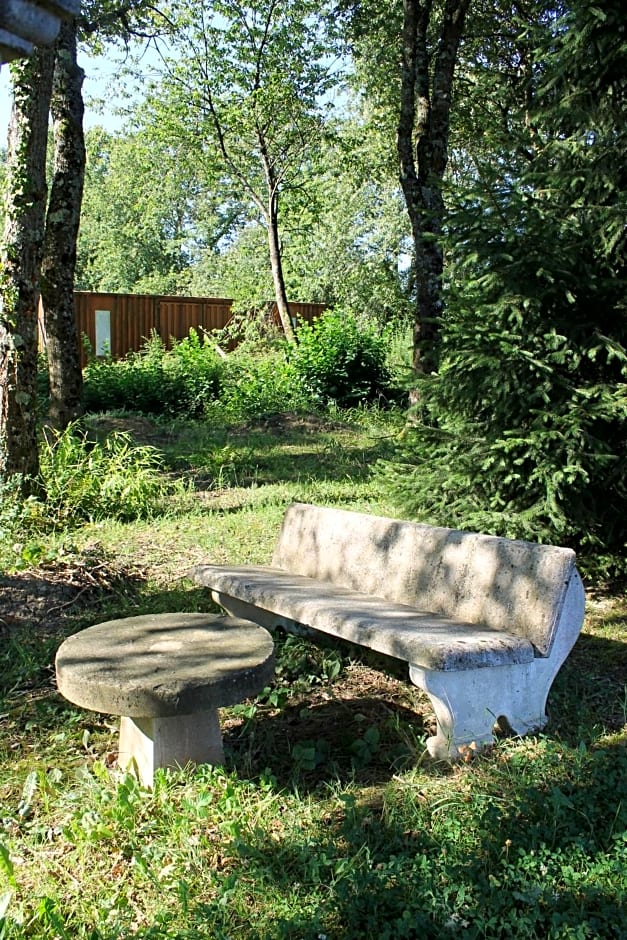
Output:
(103, 332)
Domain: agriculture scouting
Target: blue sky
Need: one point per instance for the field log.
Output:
(98, 73)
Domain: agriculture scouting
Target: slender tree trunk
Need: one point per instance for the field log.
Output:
(62, 223)
(20, 259)
(271, 213)
(276, 265)
(422, 143)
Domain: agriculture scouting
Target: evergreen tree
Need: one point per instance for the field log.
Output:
(524, 431)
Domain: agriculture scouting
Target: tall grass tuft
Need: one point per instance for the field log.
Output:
(86, 482)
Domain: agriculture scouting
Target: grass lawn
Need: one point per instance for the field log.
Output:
(328, 820)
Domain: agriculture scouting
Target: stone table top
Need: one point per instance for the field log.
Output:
(162, 665)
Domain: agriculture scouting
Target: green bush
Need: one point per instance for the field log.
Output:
(342, 360)
(255, 385)
(156, 381)
(524, 430)
(194, 371)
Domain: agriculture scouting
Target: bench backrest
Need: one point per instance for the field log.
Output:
(515, 586)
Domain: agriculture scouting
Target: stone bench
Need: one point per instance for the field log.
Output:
(484, 623)
(166, 675)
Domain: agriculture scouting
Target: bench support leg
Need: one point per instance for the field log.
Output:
(149, 743)
(469, 703)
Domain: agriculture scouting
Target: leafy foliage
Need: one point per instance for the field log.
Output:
(247, 86)
(156, 381)
(255, 385)
(343, 360)
(524, 431)
(139, 222)
(337, 359)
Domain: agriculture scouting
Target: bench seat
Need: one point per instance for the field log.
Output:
(432, 641)
(484, 623)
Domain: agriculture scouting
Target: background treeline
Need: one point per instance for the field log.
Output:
(518, 422)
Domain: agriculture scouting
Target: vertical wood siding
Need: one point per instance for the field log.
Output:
(134, 317)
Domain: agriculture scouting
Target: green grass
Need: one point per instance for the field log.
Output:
(328, 818)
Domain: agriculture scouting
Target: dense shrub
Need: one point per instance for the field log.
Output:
(195, 371)
(340, 359)
(255, 384)
(337, 360)
(156, 381)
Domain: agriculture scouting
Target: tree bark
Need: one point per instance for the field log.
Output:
(271, 214)
(20, 259)
(62, 224)
(276, 265)
(422, 144)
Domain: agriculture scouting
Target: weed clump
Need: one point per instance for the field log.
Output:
(82, 481)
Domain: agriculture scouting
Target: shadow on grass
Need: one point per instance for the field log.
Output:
(527, 843)
(530, 851)
(532, 846)
(361, 740)
(279, 453)
(366, 738)
(590, 691)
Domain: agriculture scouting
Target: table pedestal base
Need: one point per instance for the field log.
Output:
(149, 743)
(174, 671)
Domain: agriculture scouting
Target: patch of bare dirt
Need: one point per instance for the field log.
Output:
(44, 598)
(143, 430)
(285, 422)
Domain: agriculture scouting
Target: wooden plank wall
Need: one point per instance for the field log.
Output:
(133, 317)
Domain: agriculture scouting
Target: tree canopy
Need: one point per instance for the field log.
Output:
(469, 180)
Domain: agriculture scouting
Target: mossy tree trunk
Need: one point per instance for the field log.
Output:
(423, 133)
(62, 223)
(20, 260)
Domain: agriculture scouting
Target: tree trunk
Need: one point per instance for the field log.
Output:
(422, 142)
(62, 223)
(280, 294)
(20, 258)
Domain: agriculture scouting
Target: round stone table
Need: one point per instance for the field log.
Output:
(166, 675)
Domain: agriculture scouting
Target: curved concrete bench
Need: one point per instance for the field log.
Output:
(484, 623)
(166, 675)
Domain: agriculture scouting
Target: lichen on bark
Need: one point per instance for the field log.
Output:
(20, 260)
